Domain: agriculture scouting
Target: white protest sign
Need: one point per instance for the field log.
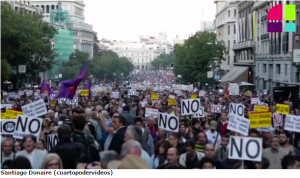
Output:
(45, 97)
(35, 109)
(200, 113)
(132, 92)
(264, 129)
(114, 94)
(236, 109)
(245, 148)
(234, 89)
(6, 106)
(51, 141)
(215, 108)
(68, 101)
(8, 126)
(190, 106)
(172, 96)
(262, 104)
(168, 122)
(255, 101)
(292, 123)
(238, 124)
(151, 112)
(27, 125)
(277, 119)
(202, 93)
(4, 93)
(21, 93)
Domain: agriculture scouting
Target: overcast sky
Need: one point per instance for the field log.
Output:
(129, 19)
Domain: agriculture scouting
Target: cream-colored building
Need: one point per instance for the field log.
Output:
(83, 32)
(26, 5)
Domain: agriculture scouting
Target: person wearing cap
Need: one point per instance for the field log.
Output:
(213, 136)
(128, 116)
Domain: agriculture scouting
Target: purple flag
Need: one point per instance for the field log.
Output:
(45, 88)
(88, 85)
(68, 87)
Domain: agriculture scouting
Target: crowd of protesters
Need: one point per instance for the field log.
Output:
(101, 132)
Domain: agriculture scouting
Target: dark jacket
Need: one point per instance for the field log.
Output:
(117, 140)
(219, 127)
(165, 166)
(129, 118)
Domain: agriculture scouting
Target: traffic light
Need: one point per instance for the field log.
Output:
(172, 65)
(206, 84)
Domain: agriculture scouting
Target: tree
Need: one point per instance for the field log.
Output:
(27, 40)
(200, 53)
(163, 60)
(72, 68)
(5, 70)
(95, 46)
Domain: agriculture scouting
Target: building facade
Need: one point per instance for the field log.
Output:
(274, 51)
(244, 46)
(140, 54)
(225, 27)
(83, 32)
(26, 6)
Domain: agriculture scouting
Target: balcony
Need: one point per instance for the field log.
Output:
(259, 4)
(244, 45)
(264, 18)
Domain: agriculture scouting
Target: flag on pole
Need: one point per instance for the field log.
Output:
(68, 87)
(88, 85)
(45, 88)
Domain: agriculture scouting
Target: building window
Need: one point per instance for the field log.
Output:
(234, 41)
(265, 68)
(298, 75)
(47, 9)
(228, 13)
(234, 30)
(234, 14)
(228, 29)
(228, 45)
(228, 60)
(277, 68)
(285, 69)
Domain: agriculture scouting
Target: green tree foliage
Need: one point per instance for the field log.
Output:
(5, 70)
(72, 68)
(26, 40)
(199, 54)
(163, 60)
(95, 46)
(107, 64)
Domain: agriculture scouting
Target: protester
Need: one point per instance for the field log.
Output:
(119, 125)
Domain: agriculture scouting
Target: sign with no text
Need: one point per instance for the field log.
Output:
(258, 108)
(85, 92)
(171, 102)
(154, 96)
(283, 108)
(193, 96)
(53, 103)
(12, 114)
(260, 119)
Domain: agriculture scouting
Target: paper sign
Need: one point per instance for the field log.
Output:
(27, 125)
(35, 109)
(238, 124)
(12, 114)
(193, 96)
(68, 101)
(215, 108)
(115, 95)
(255, 100)
(8, 126)
(85, 92)
(51, 141)
(53, 103)
(171, 102)
(292, 123)
(168, 122)
(283, 108)
(172, 96)
(2, 115)
(154, 96)
(151, 112)
(258, 108)
(260, 119)
(277, 119)
(202, 93)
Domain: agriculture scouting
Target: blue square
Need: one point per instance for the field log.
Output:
(290, 27)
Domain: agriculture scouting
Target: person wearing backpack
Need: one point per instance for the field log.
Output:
(71, 153)
(81, 136)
